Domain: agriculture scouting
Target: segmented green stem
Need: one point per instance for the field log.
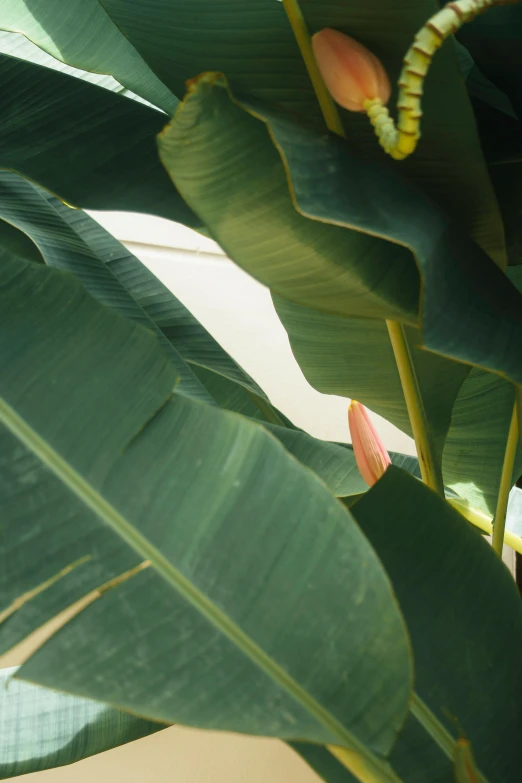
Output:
(400, 140)
(506, 479)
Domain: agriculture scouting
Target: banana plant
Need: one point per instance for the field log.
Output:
(174, 550)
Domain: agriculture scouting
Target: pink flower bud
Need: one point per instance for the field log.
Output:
(371, 456)
(351, 72)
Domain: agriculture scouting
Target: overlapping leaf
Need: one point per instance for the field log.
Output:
(353, 358)
(324, 263)
(71, 240)
(101, 47)
(26, 207)
(466, 656)
(91, 147)
(203, 637)
(254, 47)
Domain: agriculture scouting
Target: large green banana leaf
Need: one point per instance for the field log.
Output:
(451, 601)
(468, 413)
(42, 729)
(353, 357)
(253, 45)
(17, 45)
(91, 147)
(465, 649)
(245, 545)
(101, 47)
(69, 239)
(25, 207)
(325, 266)
(241, 194)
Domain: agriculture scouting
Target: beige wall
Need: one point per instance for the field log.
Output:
(239, 313)
(179, 755)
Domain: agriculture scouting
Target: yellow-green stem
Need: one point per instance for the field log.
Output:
(302, 36)
(415, 407)
(499, 524)
(410, 386)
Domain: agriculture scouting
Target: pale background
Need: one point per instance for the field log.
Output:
(238, 312)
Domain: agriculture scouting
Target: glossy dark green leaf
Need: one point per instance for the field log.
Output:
(494, 41)
(202, 637)
(27, 208)
(254, 47)
(42, 729)
(464, 617)
(321, 264)
(478, 86)
(91, 147)
(507, 179)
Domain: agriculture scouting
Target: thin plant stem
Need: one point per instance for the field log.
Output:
(302, 36)
(410, 385)
(415, 407)
(499, 523)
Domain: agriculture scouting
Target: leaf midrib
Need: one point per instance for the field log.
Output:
(88, 495)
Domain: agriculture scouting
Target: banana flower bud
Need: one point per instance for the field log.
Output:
(370, 454)
(352, 74)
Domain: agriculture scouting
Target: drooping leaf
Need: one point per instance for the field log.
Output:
(202, 637)
(101, 47)
(91, 147)
(254, 47)
(183, 331)
(26, 207)
(353, 357)
(331, 267)
(42, 729)
(450, 585)
(242, 195)
(71, 240)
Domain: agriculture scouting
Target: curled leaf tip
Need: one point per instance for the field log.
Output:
(370, 453)
(352, 74)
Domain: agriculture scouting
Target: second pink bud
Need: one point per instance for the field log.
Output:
(369, 450)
